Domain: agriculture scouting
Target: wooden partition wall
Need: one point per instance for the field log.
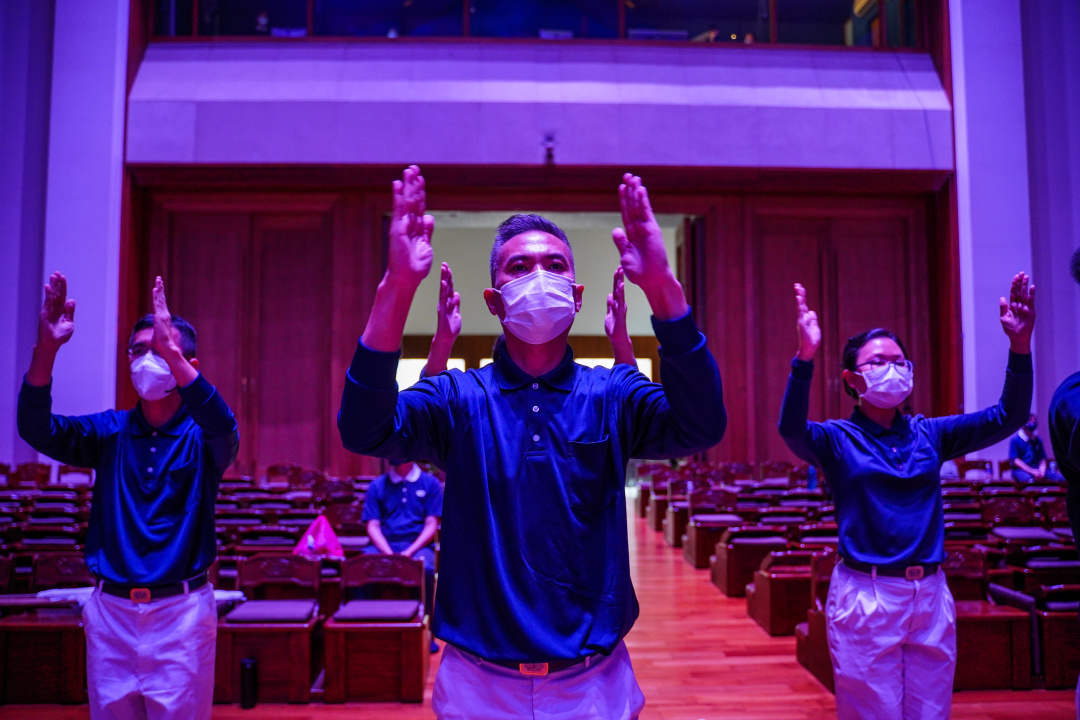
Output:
(279, 282)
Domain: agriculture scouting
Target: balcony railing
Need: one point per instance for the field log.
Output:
(884, 24)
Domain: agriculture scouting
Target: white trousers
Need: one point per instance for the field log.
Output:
(151, 661)
(893, 646)
(469, 688)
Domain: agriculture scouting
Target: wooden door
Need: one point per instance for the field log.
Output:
(292, 342)
(863, 263)
(203, 257)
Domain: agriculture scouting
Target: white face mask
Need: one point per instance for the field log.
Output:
(539, 306)
(887, 386)
(151, 377)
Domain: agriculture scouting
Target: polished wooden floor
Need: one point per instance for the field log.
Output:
(696, 655)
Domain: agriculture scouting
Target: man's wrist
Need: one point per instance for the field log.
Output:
(400, 282)
(1020, 346)
(665, 295)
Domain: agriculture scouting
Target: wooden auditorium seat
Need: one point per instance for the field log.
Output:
(275, 626)
(739, 554)
(703, 499)
(1059, 634)
(43, 649)
(703, 531)
(347, 521)
(779, 596)
(658, 504)
(993, 638)
(811, 641)
(378, 649)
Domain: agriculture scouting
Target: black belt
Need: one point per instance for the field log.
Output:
(541, 669)
(909, 572)
(146, 593)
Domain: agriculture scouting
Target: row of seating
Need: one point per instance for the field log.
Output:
(373, 648)
(775, 544)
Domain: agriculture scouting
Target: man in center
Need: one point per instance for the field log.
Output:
(534, 594)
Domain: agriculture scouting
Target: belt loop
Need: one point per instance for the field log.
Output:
(186, 592)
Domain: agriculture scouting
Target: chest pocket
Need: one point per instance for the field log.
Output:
(585, 480)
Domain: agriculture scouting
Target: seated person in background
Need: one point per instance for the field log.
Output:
(1028, 455)
(402, 510)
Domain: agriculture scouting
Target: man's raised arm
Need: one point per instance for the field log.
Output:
(374, 419)
(408, 262)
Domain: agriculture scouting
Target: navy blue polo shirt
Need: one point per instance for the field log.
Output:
(1030, 451)
(535, 561)
(400, 506)
(1064, 429)
(886, 481)
(152, 512)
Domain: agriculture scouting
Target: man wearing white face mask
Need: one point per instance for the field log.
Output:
(534, 594)
(890, 617)
(151, 624)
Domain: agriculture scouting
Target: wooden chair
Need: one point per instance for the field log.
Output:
(779, 596)
(377, 650)
(817, 537)
(30, 475)
(60, 570)
(254, 539)
(811, 641)
(43, 657)
(1013, 521)
(1059, 634)
(993, 643)
(978, 469)
(775, 473)
(275, 627)
(703, 531)
(7, 567)
(347, 522)
(72, 477)
(739, 554)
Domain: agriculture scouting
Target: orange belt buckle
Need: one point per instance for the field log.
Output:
(139, 595)
(915, 572)
(533, 669)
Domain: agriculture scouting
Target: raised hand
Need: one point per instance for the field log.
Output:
(409, 254)
(163, 342)
(56, 321)
(449, 309)
(807, 323)
(640, 241)
(615, 319)
(1018, 313)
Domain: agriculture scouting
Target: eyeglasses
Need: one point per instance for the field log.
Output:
(878, 363)
(138, 350)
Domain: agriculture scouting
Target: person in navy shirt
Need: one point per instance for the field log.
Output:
(534, 594)
(890, 617)
(1028, 454)
(1064, 427)
(402, 508)
(151, 624)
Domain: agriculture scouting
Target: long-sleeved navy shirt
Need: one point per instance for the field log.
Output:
(886, 482)
(1064, 425)
(152, 512)
(535, 563)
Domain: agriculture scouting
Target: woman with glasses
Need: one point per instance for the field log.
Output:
(890, 618)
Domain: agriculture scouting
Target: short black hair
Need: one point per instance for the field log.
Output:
(524, 222)
(1075, 265)
(854, 345)
(188, 337)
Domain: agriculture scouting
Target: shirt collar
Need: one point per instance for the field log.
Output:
(412, 476)
(142, 428)
(511, 377)
(1023, 435)
(899, 425)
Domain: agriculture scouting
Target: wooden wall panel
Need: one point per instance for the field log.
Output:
(202, 258)
(292, 415)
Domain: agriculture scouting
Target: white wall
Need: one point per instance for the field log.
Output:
(464, 240)
(25, 60)
(484, 102)
(992, 184)
(82, 219)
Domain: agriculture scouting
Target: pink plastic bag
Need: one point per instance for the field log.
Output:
(319, 541)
